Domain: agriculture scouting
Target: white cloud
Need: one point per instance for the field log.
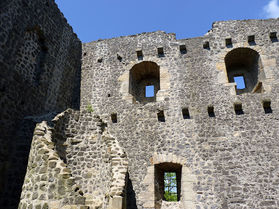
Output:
(272, 9)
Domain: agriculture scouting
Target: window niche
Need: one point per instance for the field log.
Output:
(32, 55)
(186, 113)
(167, 183)
(161, 116)
(183, 49)
(238, 109)
(114, 117)
(267, 106)
(244, 68)
(210, 110)
(273, 37)
(144, 82)
(139, 54)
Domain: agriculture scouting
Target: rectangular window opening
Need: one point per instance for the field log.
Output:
(251, 39)
(140, 55)
(240, 82)
(170, 187)
(114, 117)
(167, 185)
(161, 52)
(228, 42)
(273, 36)
(161, 116)
(149, 91)
(185, 113)
(119, 58)
(238, 109)
(210, 110)
(206, 45)
(267, 107)
(183, 49)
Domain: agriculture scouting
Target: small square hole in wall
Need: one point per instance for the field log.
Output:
(206, 45)
(161, 52)
(149, 91)
(273, 36)
(140, 55)
(240, 82)
(185, 113)
(228, 42)
(251, 39)
(238, 109)
(119, 58)
(210, 110)
(161, 116)
(114, 117)
(100, 60)
(267, 106)
(182, 49)
(109, 95)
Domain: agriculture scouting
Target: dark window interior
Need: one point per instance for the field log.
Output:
(273, 37)
(206, 45)
(267, 107)
(228, 42)
(114, 118)
(161, 116)
(251, 39)
(210, 110)
(142, 75)
(238, 109)
(140, 55)
(183, 49)
(244, 67)
(185, 113)
(161, 52)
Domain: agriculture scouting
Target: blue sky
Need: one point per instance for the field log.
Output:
(101, 19)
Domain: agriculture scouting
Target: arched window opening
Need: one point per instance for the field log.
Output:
(144, 82)
(244, 68)
(167, 183)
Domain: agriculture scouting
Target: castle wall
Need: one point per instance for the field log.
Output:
(40, 73)
(112, 154)
(229, 160)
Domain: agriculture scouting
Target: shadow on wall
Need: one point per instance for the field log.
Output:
(16, 165)
(130, 195)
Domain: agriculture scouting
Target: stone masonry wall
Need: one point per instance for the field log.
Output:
(231, 160)
(40, 73)
(107, 154)
(48, 182)
(74, 163)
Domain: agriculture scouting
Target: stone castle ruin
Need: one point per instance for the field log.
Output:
(79, 131)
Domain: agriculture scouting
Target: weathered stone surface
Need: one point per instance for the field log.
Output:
(111, 152)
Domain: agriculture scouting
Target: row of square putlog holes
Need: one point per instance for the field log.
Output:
(183, 50)
(210, 109)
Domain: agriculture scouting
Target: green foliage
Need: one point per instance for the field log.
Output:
(170, 185)
(90, 108)
(171, 197)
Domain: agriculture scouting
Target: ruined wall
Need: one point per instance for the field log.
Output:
(74, 163)
(228, 160)
(40, 73)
